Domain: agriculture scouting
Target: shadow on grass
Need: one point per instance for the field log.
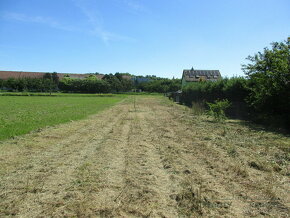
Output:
(266, 127)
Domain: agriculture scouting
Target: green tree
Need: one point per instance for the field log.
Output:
(12, 84)
(269, 74)
(115, 83)
(55, 78)
(1, 84)
(269, 80)
(160, 85)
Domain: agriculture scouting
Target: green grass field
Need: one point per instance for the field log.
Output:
(63, 94)
(22, 114)
(56, 94)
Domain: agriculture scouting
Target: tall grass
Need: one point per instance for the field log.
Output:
(198, 108)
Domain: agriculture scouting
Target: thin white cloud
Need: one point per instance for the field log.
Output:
(134, 5)
(92, 15)
(36, 19)
(96, 21)
(131, 6)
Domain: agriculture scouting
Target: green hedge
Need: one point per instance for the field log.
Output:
(233, 89)
(264, 94)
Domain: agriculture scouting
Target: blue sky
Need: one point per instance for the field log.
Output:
(142, 37)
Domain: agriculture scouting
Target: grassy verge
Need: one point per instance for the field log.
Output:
(56, 94)
(61, 94)
(249, 144)
(21, 115)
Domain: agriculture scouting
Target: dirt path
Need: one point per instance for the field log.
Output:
(148, 161)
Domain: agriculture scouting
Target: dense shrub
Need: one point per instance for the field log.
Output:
(264, 94)
(161, 85)
(50, 82)
(117, 83)
(1, 83)
(88, 85)
(269, 83)
(217, 109)
(234, 89)
(28, 84)
(113, 83)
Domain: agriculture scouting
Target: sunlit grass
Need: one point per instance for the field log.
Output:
(20, 115)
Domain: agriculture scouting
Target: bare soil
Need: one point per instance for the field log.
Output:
(152, 160)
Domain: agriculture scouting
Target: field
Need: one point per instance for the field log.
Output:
(145, 157)
(54, 94)
(20, 115)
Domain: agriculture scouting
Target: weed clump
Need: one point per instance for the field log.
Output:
(217, 109)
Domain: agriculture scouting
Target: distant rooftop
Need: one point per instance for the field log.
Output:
(192, 72)
(193, 75)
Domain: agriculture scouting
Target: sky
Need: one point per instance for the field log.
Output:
(141, 37)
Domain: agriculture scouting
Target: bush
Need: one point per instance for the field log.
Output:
(160, 85)
(88, 85)
(234, 89)
(269, 83)
(217, 109)
(263, 96)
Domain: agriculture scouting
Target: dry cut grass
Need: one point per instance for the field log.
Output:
(156, 159)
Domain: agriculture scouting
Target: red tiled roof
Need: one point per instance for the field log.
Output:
(20, 74)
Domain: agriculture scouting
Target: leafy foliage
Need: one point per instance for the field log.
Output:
(110, 83)
(269, 81)
(29, 84)
(1, 83)
(217, 109)
(160, 85)
(117, 83)
(264, 93)
(88, 85)
(234, 89)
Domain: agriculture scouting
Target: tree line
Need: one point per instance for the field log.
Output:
(110, 83)
(264, 94)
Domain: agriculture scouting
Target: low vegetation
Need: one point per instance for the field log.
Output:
(263, 96)
(160, 85)
(110, 83)
(20, 115)
(155, 160)
(217, 109)
(57, 94)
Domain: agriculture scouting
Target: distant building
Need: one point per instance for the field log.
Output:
(140, 79)
(21, 74)
(193, 75)
(128, 77)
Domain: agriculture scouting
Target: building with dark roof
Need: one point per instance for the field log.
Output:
(193, 75)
